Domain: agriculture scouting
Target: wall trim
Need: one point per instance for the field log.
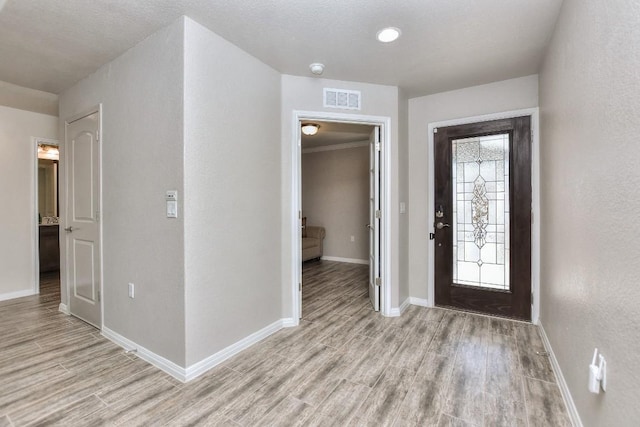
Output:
(332, 147)
(17, 294)
(348, 260)
(397, 311)
(564, 388)
(204, 365)
(421, 302)
(198, 368)
(147, 355)
(289, 322)
(64, 309)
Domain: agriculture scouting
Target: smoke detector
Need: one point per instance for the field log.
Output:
(316, 68)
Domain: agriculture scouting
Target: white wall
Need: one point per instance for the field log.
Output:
(590, 122)
(17, 185)
(496, 97)
(305, 93)
(142, 157)
(335, 195)
(232, 193)
(27, 99)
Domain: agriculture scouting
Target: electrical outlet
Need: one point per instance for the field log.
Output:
(132, 290)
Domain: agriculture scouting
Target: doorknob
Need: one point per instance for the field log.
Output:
(441, 225)
(69, 229)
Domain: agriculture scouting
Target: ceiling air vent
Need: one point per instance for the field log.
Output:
(342, 98)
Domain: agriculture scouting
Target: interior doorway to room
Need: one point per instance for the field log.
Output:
(340, 215)
(482, 229)
(48, 212)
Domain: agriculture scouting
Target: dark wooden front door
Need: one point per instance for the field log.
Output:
(483, 217)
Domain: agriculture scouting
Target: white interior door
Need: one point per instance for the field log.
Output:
(374, 218)
(82, 218)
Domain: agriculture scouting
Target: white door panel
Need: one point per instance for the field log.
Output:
(82, 225)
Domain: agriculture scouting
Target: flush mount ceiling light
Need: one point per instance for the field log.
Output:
(310, 129)
(316, 68)
(387, 35)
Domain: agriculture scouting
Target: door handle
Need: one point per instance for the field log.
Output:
(441, 225)
(69, 229)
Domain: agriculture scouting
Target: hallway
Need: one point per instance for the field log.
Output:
(345, 365)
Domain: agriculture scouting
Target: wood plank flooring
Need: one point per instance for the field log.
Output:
(345, 365)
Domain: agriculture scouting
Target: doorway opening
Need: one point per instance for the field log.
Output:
(357, 238)
(336, 174)
(47, 178)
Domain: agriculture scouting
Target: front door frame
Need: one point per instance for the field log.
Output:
(64, 199)
(296, 200)
(535, 197)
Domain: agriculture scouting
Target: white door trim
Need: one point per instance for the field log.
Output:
(535, 198)
(296, 200)
(34, 208)
(64, 255)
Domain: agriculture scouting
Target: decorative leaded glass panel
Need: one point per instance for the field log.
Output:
(480, 177)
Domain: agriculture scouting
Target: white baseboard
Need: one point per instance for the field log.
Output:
(201, 367)
(397, 311)
(158, 361)
(289, 322)
(564, 388)
(64, 309)
(419, 301)
(197, 369)
(17, 294)
(349, 260)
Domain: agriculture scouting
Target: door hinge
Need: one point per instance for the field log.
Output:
(299, 287)
(99, 296)
(98, 216)
(532, 136)
(531, 298)
(377, 281)
(97, 135)
(378, 214)
(378, 146)
(432, 236)
(531, 217)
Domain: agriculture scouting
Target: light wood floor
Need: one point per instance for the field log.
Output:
(345, 365)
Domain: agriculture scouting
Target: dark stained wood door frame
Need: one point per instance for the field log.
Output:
(517, 302)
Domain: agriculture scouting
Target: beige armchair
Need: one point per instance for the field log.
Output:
(312, 238)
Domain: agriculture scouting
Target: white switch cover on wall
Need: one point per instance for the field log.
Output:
(132, 290)
(172, 203)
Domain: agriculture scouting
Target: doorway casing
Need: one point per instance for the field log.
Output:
(34, 209)
(296, 201)
(535, 194)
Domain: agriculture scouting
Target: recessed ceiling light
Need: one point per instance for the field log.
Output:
(387, 35)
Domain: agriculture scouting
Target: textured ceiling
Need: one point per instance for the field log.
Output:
(446, 44)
